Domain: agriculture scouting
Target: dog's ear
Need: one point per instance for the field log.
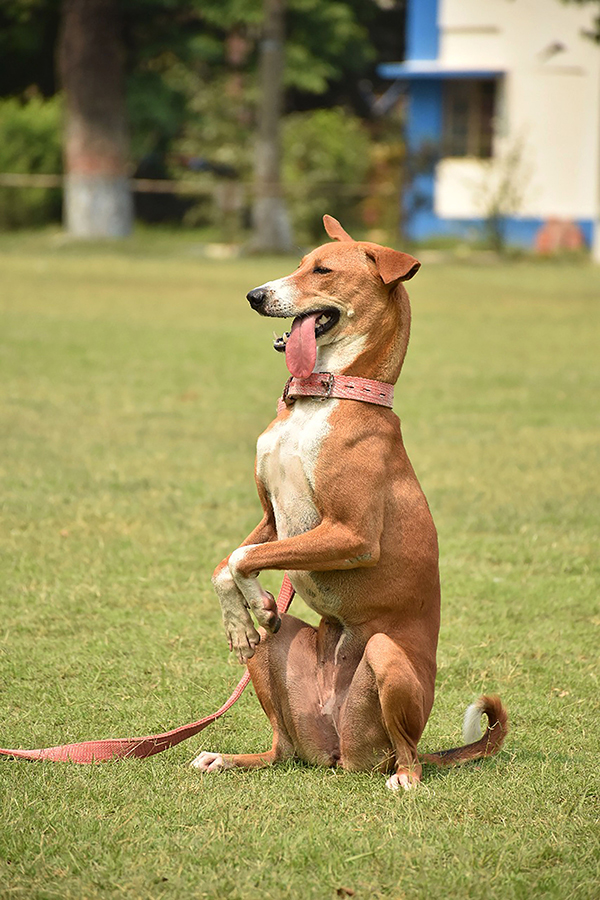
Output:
(335, 230)
(392, 264)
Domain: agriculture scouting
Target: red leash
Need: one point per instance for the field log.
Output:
(125, 748)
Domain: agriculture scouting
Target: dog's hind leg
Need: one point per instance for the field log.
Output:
(283, 672)
(384, 714)
(282, 746)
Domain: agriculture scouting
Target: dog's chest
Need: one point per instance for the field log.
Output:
(287, 457)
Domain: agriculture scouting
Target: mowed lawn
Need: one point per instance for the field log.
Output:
(135, 380)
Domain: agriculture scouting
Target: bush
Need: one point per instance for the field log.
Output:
(325, 163)
(30, 143)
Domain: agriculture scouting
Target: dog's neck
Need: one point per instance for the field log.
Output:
(378, 354)
(340, 356)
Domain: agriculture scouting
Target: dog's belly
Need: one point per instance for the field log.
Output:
(316, 591)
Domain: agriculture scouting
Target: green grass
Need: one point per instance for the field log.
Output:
(135, 381)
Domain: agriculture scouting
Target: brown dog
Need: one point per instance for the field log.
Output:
(345, 517)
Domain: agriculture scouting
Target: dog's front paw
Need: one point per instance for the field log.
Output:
(402, 781)
(210, 762)
(261, 602)
(241, 634)
(242, 637)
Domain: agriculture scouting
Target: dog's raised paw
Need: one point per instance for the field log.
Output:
(242, 636)
(209, 762)
(243, 642)
(402, 781)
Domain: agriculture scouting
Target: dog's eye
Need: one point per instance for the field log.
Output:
(321, 270)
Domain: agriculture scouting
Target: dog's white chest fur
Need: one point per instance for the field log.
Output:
(287, 455)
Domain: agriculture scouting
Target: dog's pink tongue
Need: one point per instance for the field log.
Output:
(301, 346)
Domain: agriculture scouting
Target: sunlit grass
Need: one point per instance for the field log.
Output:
(135, 381)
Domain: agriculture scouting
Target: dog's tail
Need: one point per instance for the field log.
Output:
(477, 745)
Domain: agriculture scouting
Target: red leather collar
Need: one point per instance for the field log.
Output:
(342, 387)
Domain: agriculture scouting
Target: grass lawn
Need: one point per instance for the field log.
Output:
(135, 382)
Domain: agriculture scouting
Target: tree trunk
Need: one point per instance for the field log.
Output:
(97, 196)
(271, 224)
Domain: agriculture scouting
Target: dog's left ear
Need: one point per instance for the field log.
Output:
(392, 264)
(335, 230)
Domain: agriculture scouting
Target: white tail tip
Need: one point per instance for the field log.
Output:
(472, 722)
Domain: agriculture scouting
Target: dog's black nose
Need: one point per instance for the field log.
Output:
(257, 297)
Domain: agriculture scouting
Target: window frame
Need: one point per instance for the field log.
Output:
(480, 130)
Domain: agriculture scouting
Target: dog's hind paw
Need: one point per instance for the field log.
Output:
(402, 781)
(210, 762)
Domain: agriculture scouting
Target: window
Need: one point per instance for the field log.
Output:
(468, 117)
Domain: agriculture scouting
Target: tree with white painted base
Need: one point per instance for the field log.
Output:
(97, 195)
(270, 220)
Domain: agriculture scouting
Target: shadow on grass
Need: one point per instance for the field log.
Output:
(431, 773)
(438, 773)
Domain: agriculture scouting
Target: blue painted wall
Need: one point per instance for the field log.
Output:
(423, 137)
(422, 32)
(425, 113)
(424, 118)
(519, 232)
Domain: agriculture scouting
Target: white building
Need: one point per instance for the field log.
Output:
(503, 110)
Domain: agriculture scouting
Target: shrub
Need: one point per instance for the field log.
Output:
(325, 163)
(30, 143)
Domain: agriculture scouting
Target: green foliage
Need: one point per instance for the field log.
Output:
(28, 31)
(30, 142)
(325, 159)
(220, 122)
(191, 94)
(325, 43)
(327, 39)
(326, 154)
(191, 88)
(218, 133)
(156, 112)
(192, 68)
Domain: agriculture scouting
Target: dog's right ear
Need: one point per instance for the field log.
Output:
(392, 264)
(335, 230)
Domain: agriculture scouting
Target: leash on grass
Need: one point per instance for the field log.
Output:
(140, 748)
(324, 385)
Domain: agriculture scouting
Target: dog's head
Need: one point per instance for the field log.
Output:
(351, 313)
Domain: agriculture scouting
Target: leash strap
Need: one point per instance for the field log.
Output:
(125, 748)
(341, 387)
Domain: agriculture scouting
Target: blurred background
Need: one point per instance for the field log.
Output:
(437, 122)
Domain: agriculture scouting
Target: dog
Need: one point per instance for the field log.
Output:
(345, 517)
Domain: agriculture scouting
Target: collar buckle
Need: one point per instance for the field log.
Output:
(286, 391)
(328, 385)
